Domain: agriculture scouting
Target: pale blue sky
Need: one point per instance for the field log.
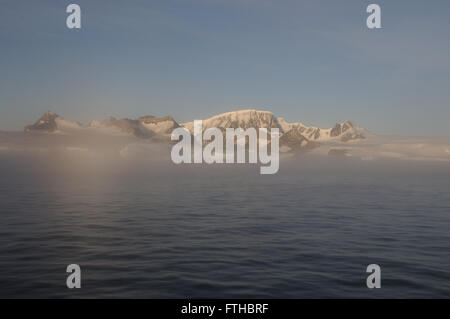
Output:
(313, 61)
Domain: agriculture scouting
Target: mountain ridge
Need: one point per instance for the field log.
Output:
(294, 136)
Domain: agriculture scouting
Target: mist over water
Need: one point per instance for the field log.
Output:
(152, 229)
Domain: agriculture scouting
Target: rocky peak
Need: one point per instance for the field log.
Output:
(47, 123)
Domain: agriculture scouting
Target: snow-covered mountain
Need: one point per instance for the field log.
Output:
(239, 119)
(346, 131)
(293, 136)
(143, 127)
(150, 126)
(133, 135)
(47, 123)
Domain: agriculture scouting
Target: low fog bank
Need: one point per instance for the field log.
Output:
(152, 161)
(67, 159)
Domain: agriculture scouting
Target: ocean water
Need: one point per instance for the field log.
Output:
(170, 231)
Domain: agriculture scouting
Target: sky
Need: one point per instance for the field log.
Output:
(312, 61)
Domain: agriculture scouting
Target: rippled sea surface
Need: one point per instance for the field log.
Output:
(224, 232)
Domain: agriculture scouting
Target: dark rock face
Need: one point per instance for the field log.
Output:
(317, 134)
(346, 126)
(349, 137)
(150, 119)
(130, 127)
(47, 123)
(340, 129)
(259, 121)
(296, 141)
(336, 130)
(311, 133)
(136, 128)
(244, 119)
